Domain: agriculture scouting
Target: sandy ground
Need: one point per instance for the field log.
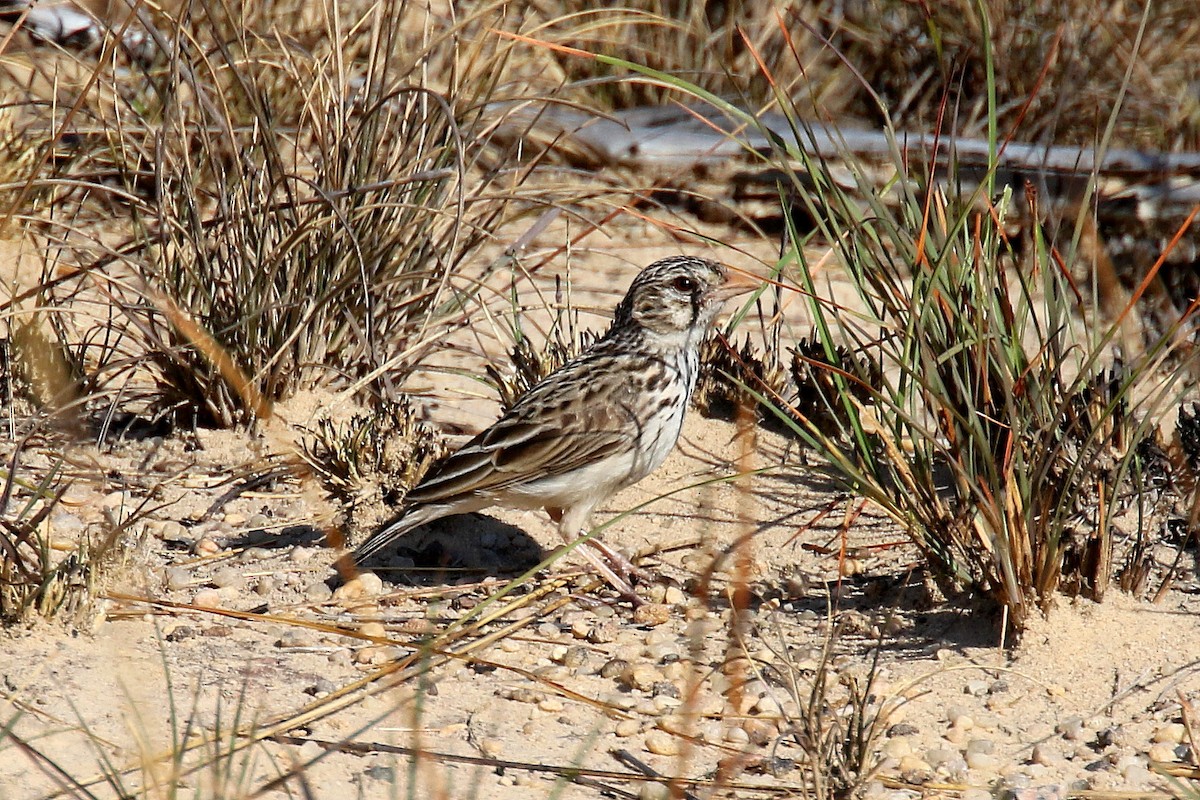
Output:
(225, 615)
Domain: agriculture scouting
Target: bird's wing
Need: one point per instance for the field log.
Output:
(537, 438)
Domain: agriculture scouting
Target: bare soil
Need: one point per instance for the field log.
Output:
(227, 613)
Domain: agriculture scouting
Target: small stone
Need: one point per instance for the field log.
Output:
(915, 770)
(266, 585)
(1161, 752)
(234, 519)
(551, 705)
(178, 578)
(654, 791)
(207, 598)
(628, 727)
(982, 762)
(665, 689)
(936, 756)
(580, 629)
(674, 596)
(300, 555)
(173, 531)
(1070, 729)
(228, 577)
(491, 747)
(206, 547)
(662, 743)
(603, 632)
(575, 657)
(1045, 755)
(614, 668)
(975, 688)
(1138, 776)
(761, 732)
(984, 746)
(296, 637)
(1112, 736)
(736, 736)
(373, 630)
(318, 592)
(375, 654)
(652, 614)
(1172, 733)
(956, 712)
(642, 677)
(903, 729)
(897, 748)
(350, 590)
(114, 500)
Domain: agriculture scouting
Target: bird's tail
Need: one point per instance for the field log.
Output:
(408, 520)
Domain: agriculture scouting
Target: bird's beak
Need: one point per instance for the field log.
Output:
(737, 282)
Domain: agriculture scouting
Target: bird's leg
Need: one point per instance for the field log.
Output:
(569, 527)
(620, 563)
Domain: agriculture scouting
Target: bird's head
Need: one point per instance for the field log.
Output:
(676, 300)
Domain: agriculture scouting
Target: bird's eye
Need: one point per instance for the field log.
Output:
(684, 284)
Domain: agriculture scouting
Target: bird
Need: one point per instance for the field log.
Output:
(600, 423)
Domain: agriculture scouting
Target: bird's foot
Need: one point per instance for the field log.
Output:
(615, 580)
(622, 565)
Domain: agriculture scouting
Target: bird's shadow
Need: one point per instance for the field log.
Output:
(459, 549)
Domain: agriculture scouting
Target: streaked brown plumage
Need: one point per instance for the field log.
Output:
(598, 424)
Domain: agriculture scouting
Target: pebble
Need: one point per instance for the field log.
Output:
(1137, 775)
(736, 736)
(373, 630)
(760, 731)
(1161, 752)
(937, 756)
(1045, 755)
(551, 705)
(491, 747)
(228, 577)
(365, 584)
(178, 578)
(628, 727)
(674, 596)
(267, 584)
(603, 632)
(642, 677)
(580, 629)
(915, 770)
(652, 614)
(300, 555)
(983, 746)
(1172, 733)
(318, 592)
(1070, 729)
(296, 637)
(207, 598)
(976, 688)
(954, 713)
(983, 762)
(662, 743)
(1113, 736)
(654, 791)
(173, 531)
(897, 748)
(206, 547)
(575, 657)
(614, 668)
